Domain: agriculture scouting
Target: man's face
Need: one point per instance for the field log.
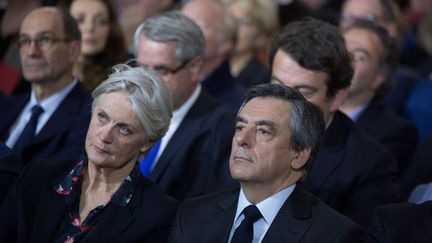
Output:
(53, 57)
(369, 10)
(209, 18)
(261, 148)
(311, 84)
(366, 50)
(161, 57)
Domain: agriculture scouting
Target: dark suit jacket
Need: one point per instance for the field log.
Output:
(253, 73)
(196, 159)
(33, 210)
(220, 84)
(420, 169)
(302, 218)
(401, 223)
(352, 173)
(392, 131)
(63, 135)
(10, 167)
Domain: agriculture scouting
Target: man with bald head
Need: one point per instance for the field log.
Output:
(51, 120)
(220, 32)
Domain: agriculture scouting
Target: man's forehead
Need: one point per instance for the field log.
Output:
(42, 20)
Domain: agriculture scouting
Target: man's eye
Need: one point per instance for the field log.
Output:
(238, 128)
(102, 117)
(44, 40)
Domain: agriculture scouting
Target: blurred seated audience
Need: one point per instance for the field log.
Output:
(374, 61)
(257, 21)
(51, 120)
(192, 158)
(102, 43)
(131, 13)
(102, 198)
(220, 33)
(386, 14)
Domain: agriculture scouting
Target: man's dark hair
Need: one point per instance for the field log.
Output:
(388, 60)
(316, 46)
(306, 121)
(70, 26)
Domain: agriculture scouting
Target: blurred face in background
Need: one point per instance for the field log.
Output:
(93, 20)
(248, 31)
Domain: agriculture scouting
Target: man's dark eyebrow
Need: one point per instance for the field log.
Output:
(240, 119)
(270, 124)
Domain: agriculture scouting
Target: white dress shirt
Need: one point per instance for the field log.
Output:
(269, 208)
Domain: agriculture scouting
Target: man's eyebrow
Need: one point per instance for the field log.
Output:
(240, 119)
(270, 124)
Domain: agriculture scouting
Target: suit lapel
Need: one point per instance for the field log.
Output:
(185, 134)
(10, 112)
(221, 220)
(51, 213)
(292, 221)
(64, 115)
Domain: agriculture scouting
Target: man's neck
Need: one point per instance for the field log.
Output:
(352, 103)
(210, 66)
(44, 90)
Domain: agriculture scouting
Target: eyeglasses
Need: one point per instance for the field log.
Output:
(163, 71)
(43, 42)
(367, 16)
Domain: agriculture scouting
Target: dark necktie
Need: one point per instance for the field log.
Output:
(29, 130)
(244, 232)
(147, 162)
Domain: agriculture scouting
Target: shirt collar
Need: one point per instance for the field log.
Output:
(181, 112)
(355, 114)
(268, 207)
(51, 103)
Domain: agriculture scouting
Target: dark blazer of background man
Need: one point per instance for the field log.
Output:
(49, 44)
(352, 172)
(193, 157)
(374, 60)
(271, 150)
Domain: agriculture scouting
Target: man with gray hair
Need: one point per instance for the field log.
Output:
(192, 158)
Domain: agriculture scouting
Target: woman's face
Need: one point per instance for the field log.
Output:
(115, 137)
(247, 30)
(93, 20)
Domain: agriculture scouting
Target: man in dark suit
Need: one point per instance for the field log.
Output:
(401, 223)
(375, 57)
(192, 158)
(51, 121)
(271, 150)
(220, 33)
(352, 173)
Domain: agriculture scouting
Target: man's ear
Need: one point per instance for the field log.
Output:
(74, 50)
(338, 99)
(378, 81)
(195, 67)
(300, 159)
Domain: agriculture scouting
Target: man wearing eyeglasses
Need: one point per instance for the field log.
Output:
(386, 14)
(192, 158)
(50, 121)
